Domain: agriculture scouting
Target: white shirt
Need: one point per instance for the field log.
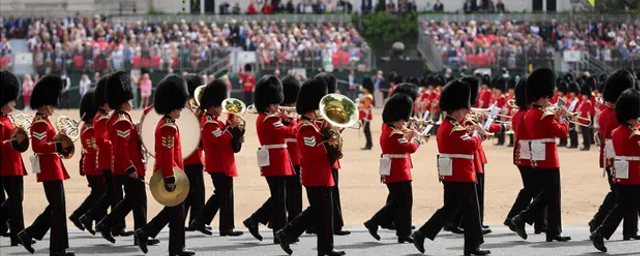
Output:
(84, 87)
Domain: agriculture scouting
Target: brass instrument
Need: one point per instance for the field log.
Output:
(512, 103)
(22, 123)
(169, 198)
(419, 124)
(289, 112)
(575, 119)
(69, 127)
(237, 108)
(197, 94)
(251, 109)
(340, 112)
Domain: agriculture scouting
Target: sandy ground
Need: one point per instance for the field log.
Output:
(583, 185)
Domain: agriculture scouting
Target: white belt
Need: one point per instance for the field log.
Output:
(392, 156)
(290, 140)
(627, 158)
(274, 146)
(548, 140)
(462, 156)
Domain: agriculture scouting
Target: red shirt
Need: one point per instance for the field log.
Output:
(100, 124)
(167, 147)
(521, 137)
(315, 169)
(42, 144)
(606, 123)
(11, 163)
(393, 142)
(626, 142)
(89, 160)
(545, 128)
(126, 151)
(248, 81)
(272, 132)
(216, 141)
(453, 139)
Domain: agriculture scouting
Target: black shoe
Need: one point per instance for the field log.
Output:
(541, 230)
(105, 232)
(598, 241)
(183, 252)
(418, 240)
(87, 223)
(366, 148)
(332, 253)
(405, 239)
(592, 226)
(584, 149)
(142, 240)
(373, 229)
(507, 223)
(631, 237)
(389, 226)
(562, 144)
(253, 228)
(25, 238)
(485, 226)
(455, 230)
(231, 232)
(4, 229)
(476, 251)
(311, 230)
(559, 238)
(518, 224)
(486, 231)
(18, 242)
(200, 227)
(341, 232)
(76, 222)
(285, 243)
(573, 146)
(152, 241)
(510, 145)
(63, 253)
(122, 233)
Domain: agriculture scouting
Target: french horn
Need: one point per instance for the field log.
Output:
(22, 123)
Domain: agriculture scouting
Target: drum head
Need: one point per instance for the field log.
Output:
(148, 131)
(188, 125)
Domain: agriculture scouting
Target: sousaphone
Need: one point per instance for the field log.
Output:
(169, 198)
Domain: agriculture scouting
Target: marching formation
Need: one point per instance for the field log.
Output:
(299, 128)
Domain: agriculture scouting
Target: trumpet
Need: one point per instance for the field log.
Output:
(237, 108)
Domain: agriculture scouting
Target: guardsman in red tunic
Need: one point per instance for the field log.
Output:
(12, 167)
(291, 87)
(574, 92)
(88, 166)
(561, 92)
(544, 127)
(128, 165)
(316, 174)
(170, 98)
(457, 146)
(397, 143)
(193, 164)
(626, 165)
(273, 158)
(585, 111)
(486, 94)
(48, 166)
(220, 164)
(614, 85)
(435, 103)
(366, 110)
(501, 98)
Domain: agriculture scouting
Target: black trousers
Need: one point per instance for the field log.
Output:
(319, 212)
(97, 184)
(627, 204)
(274, 210)
(135, 200)
(530, 189)
(248, 97)
(630, 224)
(53, 217)
(397, 209)
(367, 134)
(108, 199)
(174, 217)
(456, 219)
(294, 194)
(222, 199)
(195, 199)
(573, 135)
(586, 136)
(500, 138)
(549, 197)
(12, 207)
(338, 221)
(458, 196)
(511, 141)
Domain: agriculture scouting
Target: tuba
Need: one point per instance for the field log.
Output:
(235, 107)
(169, 198)
(339, 112)
(22, 123)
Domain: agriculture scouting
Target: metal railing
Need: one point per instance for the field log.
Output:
(353, 58)
(431, 55)
(305, 18)
(531, 17)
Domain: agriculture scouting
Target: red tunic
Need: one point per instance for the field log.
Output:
(315, 169)
(626, 142)
(397, 147)
(434, 102)
(216, 141)
(272, 133)
(89, 160)
(545, 129)
(127, 151)
(486, 98)
(521, 137)
(479, 158)
(366, 114)
(42, 144)
(320, 123)
(248, 81)
(453, 139)
(168, 152)
(100, 124)
(606, 123)
(586, 111)
(11, 163)
(292, 148)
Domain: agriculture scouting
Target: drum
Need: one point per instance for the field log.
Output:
(188, 125)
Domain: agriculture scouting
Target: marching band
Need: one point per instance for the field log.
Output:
(299, 128)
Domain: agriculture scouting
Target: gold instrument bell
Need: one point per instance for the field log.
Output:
(68, 130)
(22, 123)
(169, 198)
(339, 111)
(237, 108)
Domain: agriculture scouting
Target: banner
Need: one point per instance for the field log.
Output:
(572, 56)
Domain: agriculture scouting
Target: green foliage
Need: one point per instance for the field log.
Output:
(382, 29)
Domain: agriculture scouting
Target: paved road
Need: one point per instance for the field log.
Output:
(501, 242)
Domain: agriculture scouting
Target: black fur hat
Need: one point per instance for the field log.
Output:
(413, 80)
(268, 91)
(171, 94)
(394, 77)
(398, 107)
(408, 89)
(47, 92)
(290, 88)
(213, 94)
(541, 83)
(520, 92)
(330, 80)
(586, 90)
(310, 94)
(10, 87)
(616, 83)
(568, 77)
(574, 87)
(628, 106)
(511, 83)
(193, 82)
(592, 83)
(439, 80)
(87, 108)
(500, 83)
(562, 86)
(455, 95)
(474, 85)
(431, 80)
(118, 89)
(247, 67)
(100, 94)
(486, 80)
(367, 83)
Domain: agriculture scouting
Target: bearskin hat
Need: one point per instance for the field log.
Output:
(592, 82)
(268, 91)
(329, 80)
(486, 80)
(586, 90)
(247, 67)
(398, 107)
(455, 95)
(616, 83)
(568, 77)
(408, 89)
(118, 89)
(540, 83)
(10, 87)
(87, 108)
(574, 87)
(431, 80)
(171, 94)
(193, 82)
(47, 92)
(290, 87)
(413, 80)
(367, 83)
(213, 94)
(511, 83)
(100, 94)
(395, 78)
(474, 85)
(500, 83)
(439, 80)
(562, 86)
(520, 92)
(311, 92)
(628, 106)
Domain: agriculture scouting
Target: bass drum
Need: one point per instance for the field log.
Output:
(188, 125)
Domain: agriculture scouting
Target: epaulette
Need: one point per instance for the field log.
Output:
(270, 116)
(305, 122)
(210, 120)
(169, 123)
(104, 116)
(547, 113)
(38, 119)
(457, 127)
(396, 132)
(635, 132)
(122, 117)
(87, 127)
